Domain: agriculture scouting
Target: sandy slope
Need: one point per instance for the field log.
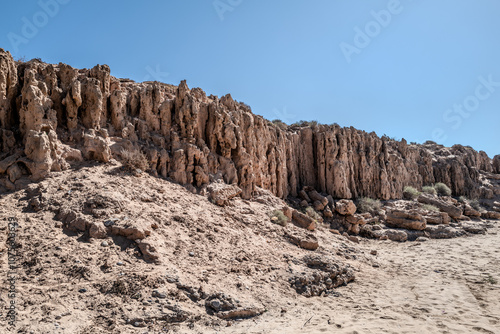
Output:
(438, 286)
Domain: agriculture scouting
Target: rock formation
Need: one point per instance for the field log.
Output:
(51, 115)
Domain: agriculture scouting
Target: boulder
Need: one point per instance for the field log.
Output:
(303, 240)
(96, 148)
(443, 232)
(437, 218)
(471, 212)
(327, 213)
(345, 207)
(411, 220)
(452, 210)
(303, 220)
(220, 193)
(490, 215)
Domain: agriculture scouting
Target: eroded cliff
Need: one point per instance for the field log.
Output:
(53, 114)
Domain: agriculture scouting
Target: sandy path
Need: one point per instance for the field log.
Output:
(438, 286)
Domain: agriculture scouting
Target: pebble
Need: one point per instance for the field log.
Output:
(120, 263)
(191, 254)
(159, 294)
(215, 304)
(373, 252)
(172, 279)
(82, 290)
(104, 244)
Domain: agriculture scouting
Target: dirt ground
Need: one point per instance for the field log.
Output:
(68, 282)
(439, 286)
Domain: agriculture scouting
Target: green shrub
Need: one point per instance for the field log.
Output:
(476, 205)
(429, 190)
(442, 189)
(366, 204)
(410, 193)
(429, 207)
(463, 199)
(312, 213)
(305, 123)
(281, 218)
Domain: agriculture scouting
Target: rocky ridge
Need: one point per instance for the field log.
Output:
(52, 115)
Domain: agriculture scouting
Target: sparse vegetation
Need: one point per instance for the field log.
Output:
(366, 204)
(133, 160)
(442, 189)
(490, 279)
(410, 193)
(476, 205)
(280, 124)
(463, 199)
(312, 213)
(303, 123)
(429, 190)
(430, 142)
(430, 207)
(281, 219)
(21, 59)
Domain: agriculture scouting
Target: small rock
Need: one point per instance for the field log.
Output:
(373, 252)
(120, 263)
(82, 290)
(110, 222)
(171, 279)
(104, 244)
(158, 294)
(215, 304)
(191, 254)
(422, 239)
(353, 238)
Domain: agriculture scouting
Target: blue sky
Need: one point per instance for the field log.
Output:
(414, 69)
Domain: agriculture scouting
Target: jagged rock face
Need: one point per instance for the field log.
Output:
(195, 139)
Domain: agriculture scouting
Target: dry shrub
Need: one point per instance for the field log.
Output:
(134, 159)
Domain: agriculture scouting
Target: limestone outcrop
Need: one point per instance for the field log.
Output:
(55, 114)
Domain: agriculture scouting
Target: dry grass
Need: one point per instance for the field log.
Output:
(133, 160)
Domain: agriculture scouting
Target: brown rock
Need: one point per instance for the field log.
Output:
(410, 220)
(490, 215)
(97, 230)
(452, 210)
(304, 240)
(318, 206)
(96, 148)
(287, 211)
(327, 213)
(304, 195)
(221, 193)
(345, 207)
(148, 250)
(14, 172)
(437, 218)
(471, 212)
(303, 220)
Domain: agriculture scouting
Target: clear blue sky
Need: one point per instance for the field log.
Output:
(292, 59)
